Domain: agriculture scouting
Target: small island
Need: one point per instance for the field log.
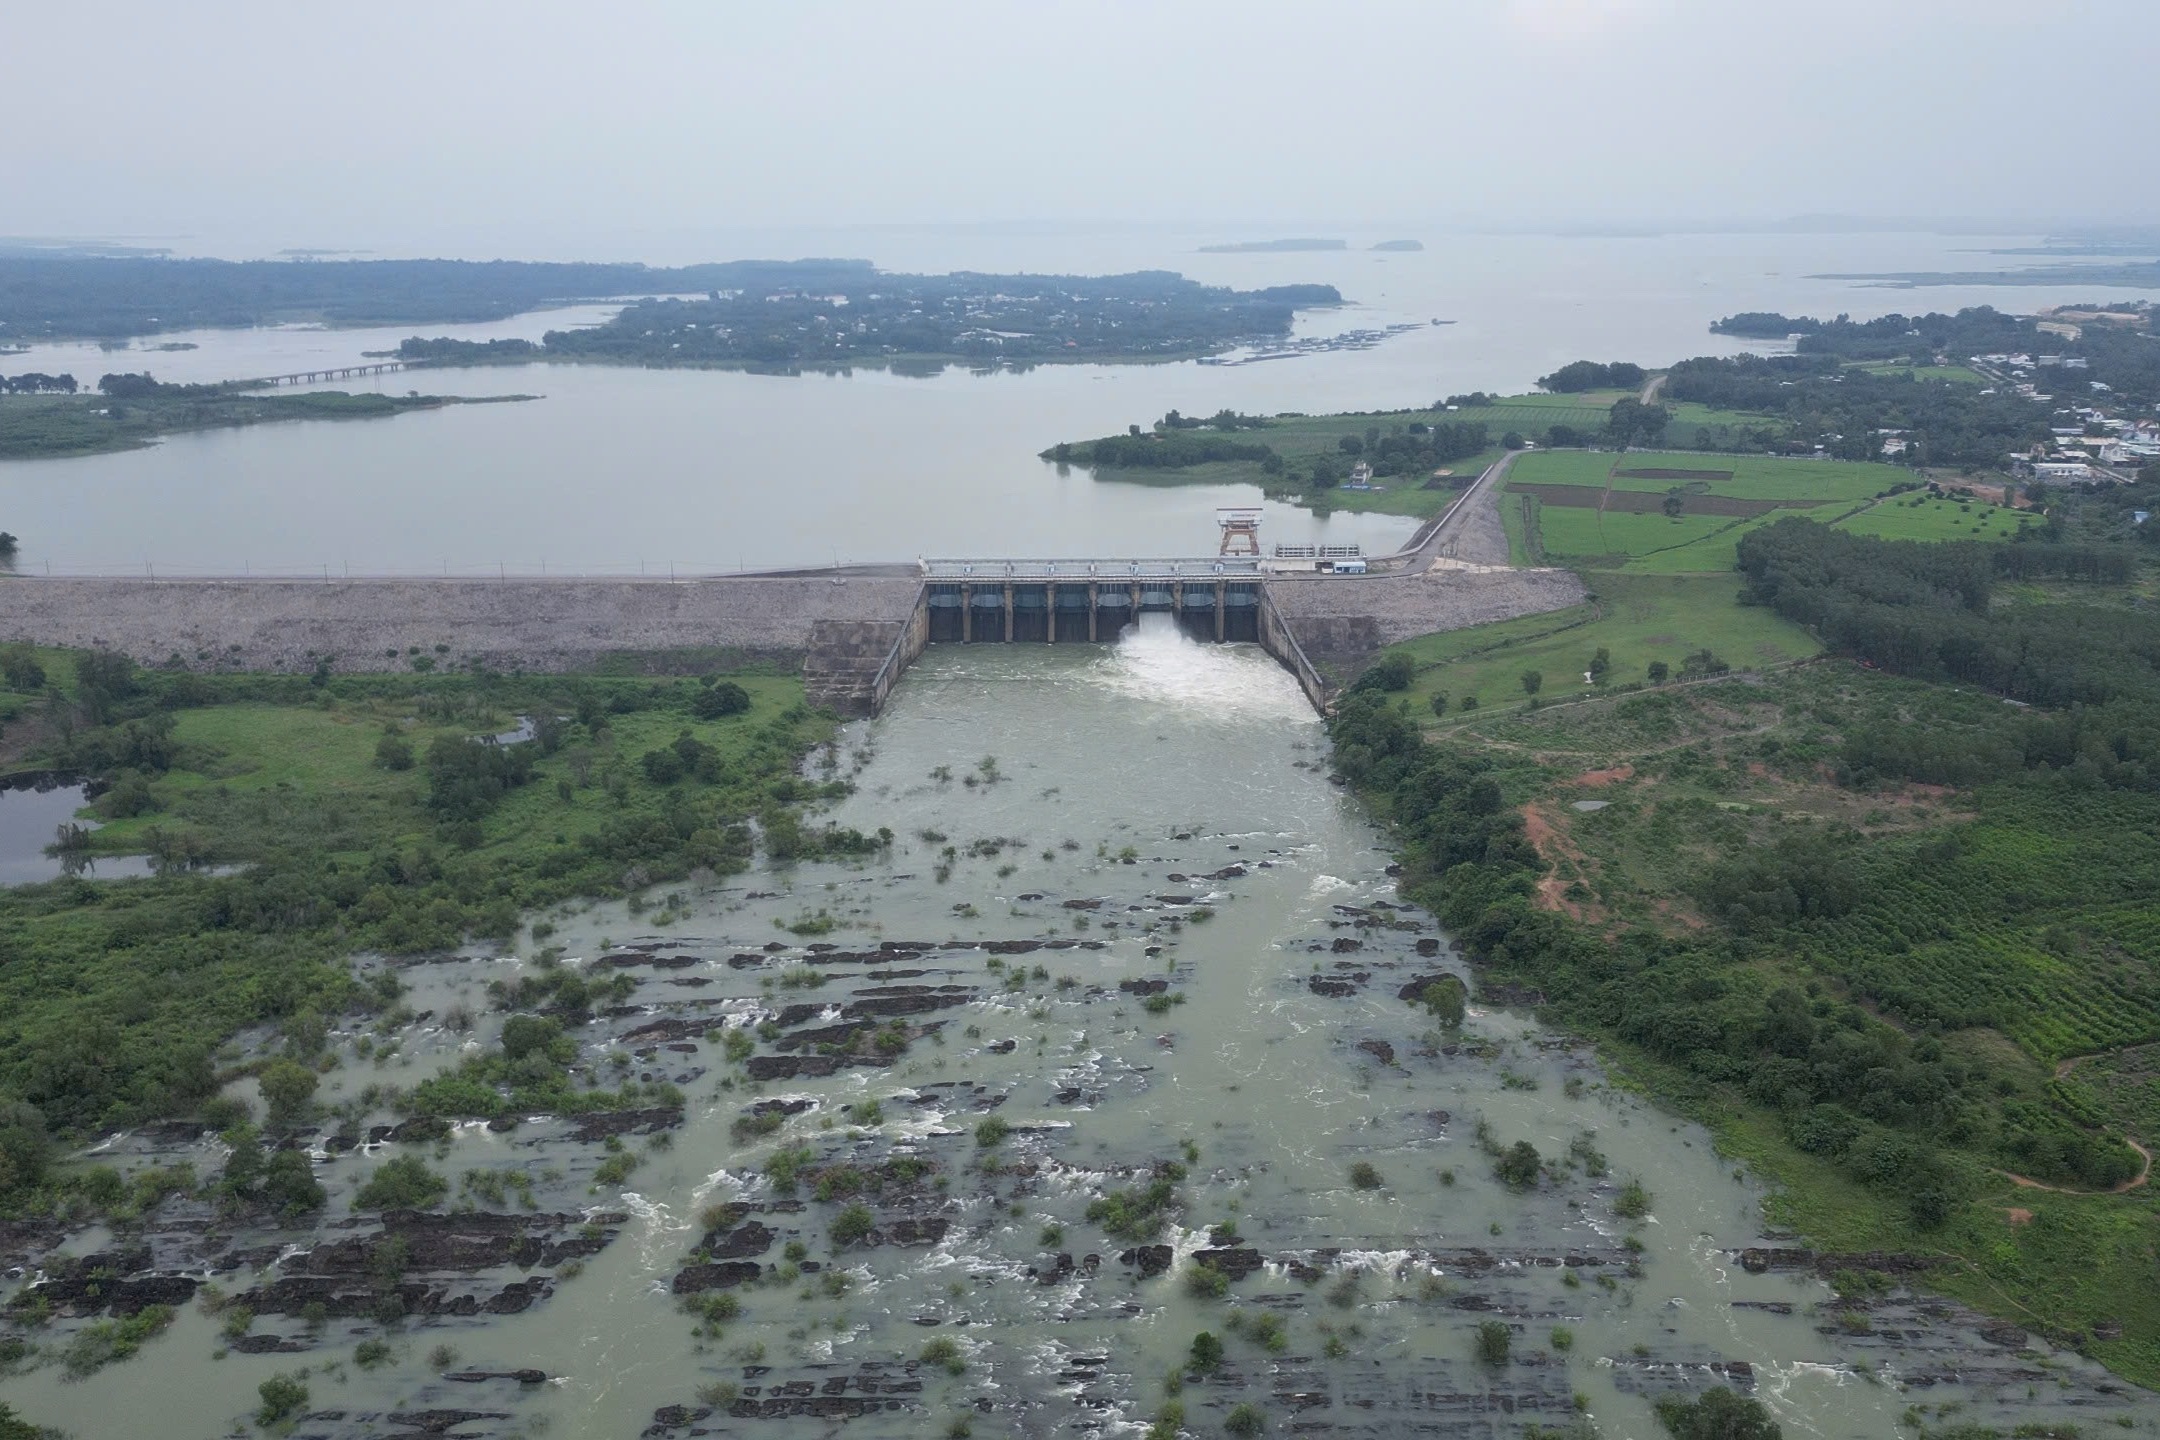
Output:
(830, 316)
(46, 417)
(1400, 245)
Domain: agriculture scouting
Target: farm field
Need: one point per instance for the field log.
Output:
(1594, 508)
(1924, 517)
(1637, 619)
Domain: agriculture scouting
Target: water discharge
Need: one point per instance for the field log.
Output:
(1129, 917)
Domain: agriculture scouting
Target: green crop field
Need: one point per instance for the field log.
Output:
(1654, 543)
(1637, 619)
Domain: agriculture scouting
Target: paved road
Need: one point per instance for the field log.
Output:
(1470, 531)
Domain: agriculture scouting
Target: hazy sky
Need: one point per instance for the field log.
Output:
(452, 126)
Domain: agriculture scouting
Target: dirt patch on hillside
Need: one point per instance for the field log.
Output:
(1550, 839)
(1610, 775)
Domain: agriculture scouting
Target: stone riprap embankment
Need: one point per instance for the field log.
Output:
(539, 625)
(1342, 619)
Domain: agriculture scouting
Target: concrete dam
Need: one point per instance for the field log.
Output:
(854, 631)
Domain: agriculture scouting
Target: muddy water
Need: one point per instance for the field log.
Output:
(1143, 787)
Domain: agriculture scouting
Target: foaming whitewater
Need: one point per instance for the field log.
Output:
(1155, 660)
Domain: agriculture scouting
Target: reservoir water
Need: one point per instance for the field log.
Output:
(627, 471)
(1127, 916)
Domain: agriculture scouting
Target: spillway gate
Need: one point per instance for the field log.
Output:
(1088, 601)
(853, 666)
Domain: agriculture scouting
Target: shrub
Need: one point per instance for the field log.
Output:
(1391, 672)
(1206, 1282)
(944, 1352)
(1245, 1418)
(725, 698)
(852, 1224)
(1207, 1352)
(404, 1183)
(991, 1131)
(282, 1398)
(394, 752)
(1718, 1414)
(1365, 1177)
(1633, 1201)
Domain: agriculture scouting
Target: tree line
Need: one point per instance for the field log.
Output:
(116, 296)
(1924, 610)
(1581, 375)
(32, 382)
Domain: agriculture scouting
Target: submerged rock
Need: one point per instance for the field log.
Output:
(719, 1275)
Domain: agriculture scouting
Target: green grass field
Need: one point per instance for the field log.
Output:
(1961, 374)
(1638, 618)
(1920, 517)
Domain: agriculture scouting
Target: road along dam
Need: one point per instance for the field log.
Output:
(853, 631)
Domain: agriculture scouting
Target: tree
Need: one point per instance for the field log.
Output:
(24, 1146)
(1658, 672)
(289, 1185)
(1600, 664)
(287, 1088)
(8, 546)
(1493, 1342)
(1446, 1000)
(1717, 1414)
(1532, 682)
(1207, 1353)
(1518, 1166)
(524, 1035)
(1439, 702)
(404, 1183)
(103, 678)
(1675, 502)
(19, 667)
(1513, 440)
(394, 752)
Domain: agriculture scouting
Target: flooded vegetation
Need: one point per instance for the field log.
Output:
(1123, 1095)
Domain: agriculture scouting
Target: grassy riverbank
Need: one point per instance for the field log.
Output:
(44, 427)
(1892, 946)
(358, 813)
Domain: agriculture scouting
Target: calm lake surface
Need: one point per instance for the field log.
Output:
(1205, 762)
(623, 471)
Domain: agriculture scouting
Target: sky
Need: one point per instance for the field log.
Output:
(551, 129)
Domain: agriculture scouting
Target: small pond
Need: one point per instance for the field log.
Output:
(31, 814)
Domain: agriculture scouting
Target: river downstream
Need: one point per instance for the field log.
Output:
(1160, 948)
